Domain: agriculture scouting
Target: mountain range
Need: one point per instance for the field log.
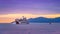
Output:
(44, 20)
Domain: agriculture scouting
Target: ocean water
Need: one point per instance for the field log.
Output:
(32, 28)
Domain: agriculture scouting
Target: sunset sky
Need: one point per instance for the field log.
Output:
(11, 9)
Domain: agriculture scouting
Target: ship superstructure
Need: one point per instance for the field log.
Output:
(21, 21)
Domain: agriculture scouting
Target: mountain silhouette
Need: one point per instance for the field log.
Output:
(44, 20)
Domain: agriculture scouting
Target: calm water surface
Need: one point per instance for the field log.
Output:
(37, 28)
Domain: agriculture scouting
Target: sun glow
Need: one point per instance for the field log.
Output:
(11, 17)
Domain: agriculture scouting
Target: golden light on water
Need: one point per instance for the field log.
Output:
(11, 17)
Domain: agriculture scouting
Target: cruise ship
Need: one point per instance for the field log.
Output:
(20, 21)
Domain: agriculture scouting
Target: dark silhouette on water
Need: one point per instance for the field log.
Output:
(16, 20)
(50, 23)
(23, 20)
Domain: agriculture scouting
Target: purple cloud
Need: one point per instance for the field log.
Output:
(30, 6)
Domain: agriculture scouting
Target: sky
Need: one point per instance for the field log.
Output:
(11, 9)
